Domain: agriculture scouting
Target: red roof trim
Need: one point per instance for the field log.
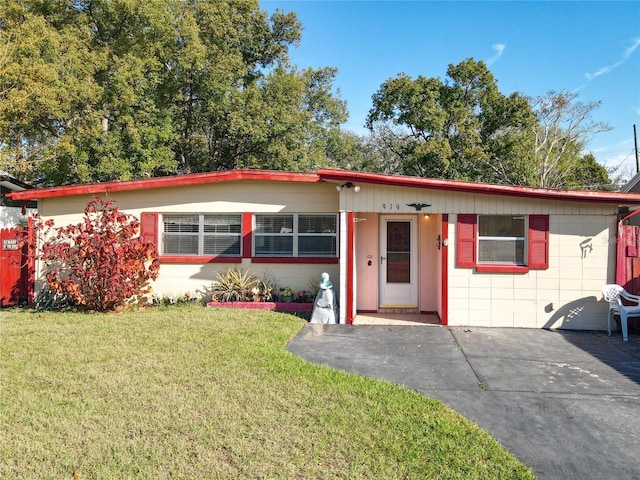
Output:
(164, 182)
(327, 174)
(481, 188)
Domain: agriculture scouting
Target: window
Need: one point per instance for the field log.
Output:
(502, 243)
(295, 235)
(501, 239)
(199, 234)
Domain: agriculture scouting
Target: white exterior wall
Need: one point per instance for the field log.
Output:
(181, 278)
(225, 197)
(10, 217)
(566, 295)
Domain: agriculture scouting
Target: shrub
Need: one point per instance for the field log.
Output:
(235, 285)
(101, 262)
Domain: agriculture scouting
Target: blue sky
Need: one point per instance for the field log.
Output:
(530, 47)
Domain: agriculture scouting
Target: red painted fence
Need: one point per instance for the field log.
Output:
(16, 268)
(628, 263)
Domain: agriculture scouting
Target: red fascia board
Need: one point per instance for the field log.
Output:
(164, 182)
(616, 198)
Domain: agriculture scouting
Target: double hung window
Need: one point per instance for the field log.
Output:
(501, 239)
(296, 235)
(200, 234)
(502, 243)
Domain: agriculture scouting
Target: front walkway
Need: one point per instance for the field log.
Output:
(565, 403)
(396, 319)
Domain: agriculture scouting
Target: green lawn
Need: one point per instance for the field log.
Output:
(193, 392)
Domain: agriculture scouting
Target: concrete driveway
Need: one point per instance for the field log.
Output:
(565, 403)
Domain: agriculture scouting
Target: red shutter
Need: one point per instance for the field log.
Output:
(247, 234)
(466, 240)
(149, 227)
(539, 242)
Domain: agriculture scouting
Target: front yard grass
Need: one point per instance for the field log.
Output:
(194, 392)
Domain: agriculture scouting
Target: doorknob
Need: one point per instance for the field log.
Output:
(381, 259)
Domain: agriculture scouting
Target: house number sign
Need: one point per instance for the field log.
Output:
(390, 207)
(9, 244)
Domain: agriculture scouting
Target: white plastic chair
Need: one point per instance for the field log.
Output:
(610, 292)
(623, 303)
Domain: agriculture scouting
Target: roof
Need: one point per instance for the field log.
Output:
(332, 175)
(164, 182)
(480, 188)
(632, 184)
(12, 184)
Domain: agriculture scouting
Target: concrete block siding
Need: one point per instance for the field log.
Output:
(566, 295)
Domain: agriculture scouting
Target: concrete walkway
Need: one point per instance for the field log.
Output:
(565, 403)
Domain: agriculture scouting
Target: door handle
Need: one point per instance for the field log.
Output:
(381, 259)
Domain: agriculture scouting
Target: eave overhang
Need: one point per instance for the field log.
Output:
(617, 198)
(332, 175)
(166, 182)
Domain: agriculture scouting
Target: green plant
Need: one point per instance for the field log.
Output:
(262, 292)
(48, 300)
(287, 292)
(314, 286)
(99, 263)
(235, 285)
(303, 296)
(166, 300)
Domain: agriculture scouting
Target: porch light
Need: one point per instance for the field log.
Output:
(356, 188)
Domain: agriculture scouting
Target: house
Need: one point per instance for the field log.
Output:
(474, 254)
(13, 212)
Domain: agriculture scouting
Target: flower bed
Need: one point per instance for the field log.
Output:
(277, 306)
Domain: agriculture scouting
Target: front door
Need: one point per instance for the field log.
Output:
(398, 262)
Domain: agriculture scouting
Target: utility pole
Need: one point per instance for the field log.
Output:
(635, 140)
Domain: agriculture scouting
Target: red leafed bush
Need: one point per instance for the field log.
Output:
(102, 262)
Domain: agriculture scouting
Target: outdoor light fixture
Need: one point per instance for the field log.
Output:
(356, 188)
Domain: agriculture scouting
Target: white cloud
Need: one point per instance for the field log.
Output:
(627, 53)
(498, 48)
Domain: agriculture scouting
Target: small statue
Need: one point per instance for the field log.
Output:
(325, 308)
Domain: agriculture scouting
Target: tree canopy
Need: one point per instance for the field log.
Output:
(563, 128)
(463, 128)
(103, 90)
(98, 90)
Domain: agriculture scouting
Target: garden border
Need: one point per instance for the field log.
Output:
(277, 306)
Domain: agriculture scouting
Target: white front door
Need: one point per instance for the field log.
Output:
(398, 262)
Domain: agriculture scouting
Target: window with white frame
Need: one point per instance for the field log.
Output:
(297, 235)
(202, 234)
(501, 239)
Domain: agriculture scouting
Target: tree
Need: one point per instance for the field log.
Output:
(463, 128)
(588, 174)
(563, 129)
(101, 262)
(99, 90)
